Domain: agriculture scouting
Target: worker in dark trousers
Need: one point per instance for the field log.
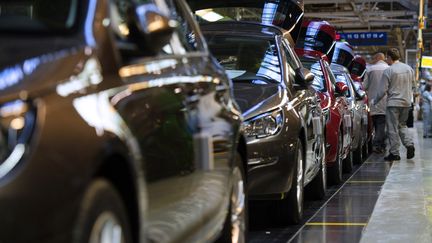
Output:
(398, 82)
(372, 85)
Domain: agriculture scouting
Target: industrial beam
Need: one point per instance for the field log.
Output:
(370, 13)
(378, 24)
(405, 3)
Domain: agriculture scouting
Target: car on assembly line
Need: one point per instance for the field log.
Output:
(283, 120)
(116, 126)
(356, 101)
(342, 59)
(315, 42)
(357, 70)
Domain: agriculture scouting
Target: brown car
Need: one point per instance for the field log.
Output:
(283, 119)
(116, 126)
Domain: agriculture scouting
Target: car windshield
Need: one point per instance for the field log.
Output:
(37, 15)
(247, 59)
(314, 66)
(266, 15)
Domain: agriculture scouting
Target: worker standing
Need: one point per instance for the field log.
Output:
(372, 84)
(398, 81)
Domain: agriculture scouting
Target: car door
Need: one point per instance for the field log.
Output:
(309, 110)
(343, 104)
(176, 105)
(357, 110)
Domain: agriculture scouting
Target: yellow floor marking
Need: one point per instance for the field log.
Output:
(335, 224)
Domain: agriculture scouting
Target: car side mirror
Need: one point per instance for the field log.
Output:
(341, 88)
(154, 28)
(304, 78)
(360, 94)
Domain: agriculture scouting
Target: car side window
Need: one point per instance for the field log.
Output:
(290, 68)
(291, 57)
(340, 77)
(331, 77)
(319, 82)
(119, 24)
(291, 65)
(185, 38)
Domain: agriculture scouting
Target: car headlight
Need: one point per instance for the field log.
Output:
(17, 121)
(264, 125)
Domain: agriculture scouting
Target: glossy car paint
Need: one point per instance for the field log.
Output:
(271, 160)
(337, 106)
(162, 129)
(316, 40)
(357, 71)
(356, 106)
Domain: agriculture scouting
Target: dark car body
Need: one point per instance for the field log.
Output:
(315, 41)
(271, 159)
(96, 103)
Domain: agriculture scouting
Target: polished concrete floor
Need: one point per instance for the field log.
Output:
(345, 215)
(341, 217)
(403, 212)
(379, 202)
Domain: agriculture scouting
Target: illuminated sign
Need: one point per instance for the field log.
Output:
(365, 38)
(426, 62)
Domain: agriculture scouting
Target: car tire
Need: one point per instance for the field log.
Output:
(102, 216)
(318, 186)
(236, 222)
(358, 155)
(335, 172)
(290, 209)
(365, 151)
(369, 147)
(348, 162)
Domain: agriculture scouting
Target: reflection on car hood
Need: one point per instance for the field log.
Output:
(35, 74)
(255, 99)
(17, 49)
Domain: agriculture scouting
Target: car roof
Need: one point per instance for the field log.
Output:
(337, 68)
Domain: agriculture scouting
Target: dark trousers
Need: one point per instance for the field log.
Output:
(379, 123)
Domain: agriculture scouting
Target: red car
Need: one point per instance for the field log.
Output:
(315, 41)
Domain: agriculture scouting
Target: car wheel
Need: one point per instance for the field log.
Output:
(318, 185)
(102, 216)
(369, 147)
(236, 222)
(358, 154)
(365, 150)
(290, 209)
(348, 162)
(335, 172)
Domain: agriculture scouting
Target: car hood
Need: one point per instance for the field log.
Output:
(32, 71)
(256, 99)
